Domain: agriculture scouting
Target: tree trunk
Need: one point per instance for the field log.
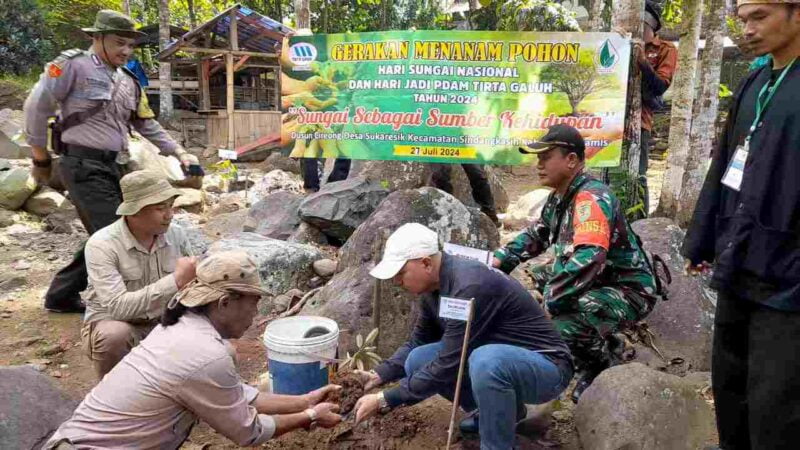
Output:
(597, 15)
(683, 90)
(302, 14)
(164, 68)
(192, 14)
(473, 8)
(126, 7)
(704, 124)
(628, 15)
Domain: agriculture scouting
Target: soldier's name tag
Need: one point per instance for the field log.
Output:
(735, 172)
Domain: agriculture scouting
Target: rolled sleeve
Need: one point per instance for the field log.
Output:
(146, 303)
(216, 394)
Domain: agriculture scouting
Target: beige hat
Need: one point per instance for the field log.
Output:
(765, 2)
(143, 188)
(219, 274)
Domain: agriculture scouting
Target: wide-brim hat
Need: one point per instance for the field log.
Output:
(766, 2)
(218, 274)
(113, 22)
(144, 188)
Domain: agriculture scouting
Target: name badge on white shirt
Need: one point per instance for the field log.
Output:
(735, 172)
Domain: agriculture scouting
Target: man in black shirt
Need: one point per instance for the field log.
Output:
(747, 223)
(515, 354)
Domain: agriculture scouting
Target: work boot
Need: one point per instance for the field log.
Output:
(585, 379)
(471, 424)
(73, 305)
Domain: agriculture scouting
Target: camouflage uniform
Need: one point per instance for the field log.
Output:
(600, 280)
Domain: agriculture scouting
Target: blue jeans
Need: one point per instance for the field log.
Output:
(501, 379)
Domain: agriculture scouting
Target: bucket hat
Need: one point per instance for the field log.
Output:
(143, 188)
(108, 21)
(219, 274)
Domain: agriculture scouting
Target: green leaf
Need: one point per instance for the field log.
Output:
(359, 341)
(371, 336)
(607, 57)
(724, 91)
(360, 364)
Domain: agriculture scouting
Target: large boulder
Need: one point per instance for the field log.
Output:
(146, 156)
(46, 201)
(431, 207)
(528, 207)
(276, 180)
(276, 215)
(277, 160)
(634, 407)
(398, 175)
(282, 265)
(226, 225)
(32, 407)
(348, 297)
(340, 207)
(198, 241)
(16, 185)
(683, 324)
(12, 142)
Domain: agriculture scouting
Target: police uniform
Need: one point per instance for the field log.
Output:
(99, 106)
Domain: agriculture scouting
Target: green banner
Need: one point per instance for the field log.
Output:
(452, 96)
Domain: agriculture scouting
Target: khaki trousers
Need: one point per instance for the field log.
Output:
(106, 342)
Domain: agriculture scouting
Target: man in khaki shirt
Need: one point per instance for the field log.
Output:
(135, 266)
(183, 372)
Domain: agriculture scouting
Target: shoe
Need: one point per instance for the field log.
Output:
(585, 379)
(75, 305)
(471, 425)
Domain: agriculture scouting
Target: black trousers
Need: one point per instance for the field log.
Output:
(94, 190)
(756, 375)
(312, 171)
(481, 191)
(644, 161)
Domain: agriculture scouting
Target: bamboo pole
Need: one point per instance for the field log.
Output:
(230, 100)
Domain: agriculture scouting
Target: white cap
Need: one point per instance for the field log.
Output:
(410, 241)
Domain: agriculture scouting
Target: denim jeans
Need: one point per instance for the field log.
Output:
(500, 380)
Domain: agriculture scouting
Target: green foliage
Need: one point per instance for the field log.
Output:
(65, 18)
(577, 81)
(365, 357)
(724, 92)
(341, 16)
(629, 191)
(24, 37)
(672, 13)
(226, 169)
(523, 15)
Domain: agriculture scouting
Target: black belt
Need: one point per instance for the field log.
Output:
(79, 151)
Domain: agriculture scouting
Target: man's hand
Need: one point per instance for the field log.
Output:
(694, 270)
(185, 270)
(639, 53)
(496, 263)
(187, 159)
(318, 395)
(327, 416)
(370, 379)
(366, 407)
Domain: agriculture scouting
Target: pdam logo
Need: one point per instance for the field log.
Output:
(302, 53)
(607, 57)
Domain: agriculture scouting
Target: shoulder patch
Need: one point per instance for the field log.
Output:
(590, 222)
(54, 70)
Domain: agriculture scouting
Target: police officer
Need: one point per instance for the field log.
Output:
(100, 102)
(600, 280)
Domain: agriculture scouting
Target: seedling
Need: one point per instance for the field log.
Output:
(365, 357)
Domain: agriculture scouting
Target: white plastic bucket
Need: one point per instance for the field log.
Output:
(299, 352)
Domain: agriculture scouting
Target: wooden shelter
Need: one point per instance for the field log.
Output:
(236, 58)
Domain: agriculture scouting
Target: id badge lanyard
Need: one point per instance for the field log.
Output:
(735, 172)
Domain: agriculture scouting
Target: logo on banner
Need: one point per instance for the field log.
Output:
(607, 57)
(302, 53)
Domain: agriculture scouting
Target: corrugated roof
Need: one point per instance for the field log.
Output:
(256, 32)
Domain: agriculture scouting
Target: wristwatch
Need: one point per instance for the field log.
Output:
(312, 414)
(383, 405)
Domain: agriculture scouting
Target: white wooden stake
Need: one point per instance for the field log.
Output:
(457, 396)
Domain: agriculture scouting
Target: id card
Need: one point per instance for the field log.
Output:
(735, 172)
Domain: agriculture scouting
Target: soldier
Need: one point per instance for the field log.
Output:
(600, 280)
(100, 102)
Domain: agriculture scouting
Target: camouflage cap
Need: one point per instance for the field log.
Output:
(143, 188)
(219, 274)
(739, 3)
(109, 21)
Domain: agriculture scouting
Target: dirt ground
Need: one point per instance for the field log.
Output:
(29, 257)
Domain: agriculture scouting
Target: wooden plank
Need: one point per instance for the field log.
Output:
(233, 32)
(240, 63)
(205, 92)
(229, 99)
(222, 51)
